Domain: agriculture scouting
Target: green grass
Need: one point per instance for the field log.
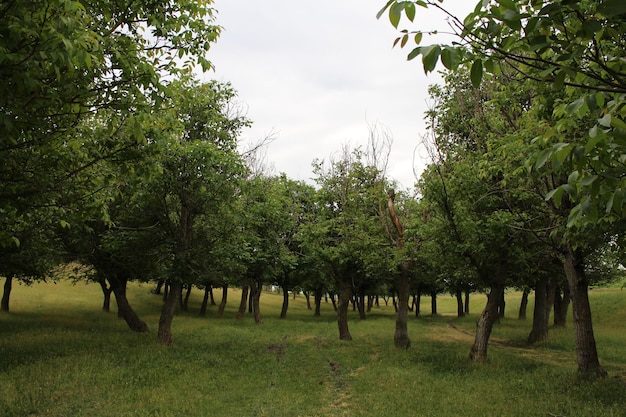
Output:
(61, 356)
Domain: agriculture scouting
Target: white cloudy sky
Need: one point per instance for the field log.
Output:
(319, 74)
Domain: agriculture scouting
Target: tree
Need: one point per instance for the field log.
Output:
(348, 235)
(577, 47)
(70, 67)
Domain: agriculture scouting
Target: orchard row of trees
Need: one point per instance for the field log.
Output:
(115, 156)
(529, 140)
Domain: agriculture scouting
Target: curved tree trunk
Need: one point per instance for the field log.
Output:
(332, 300)
(244, 301)
(283, 311)
(6, 295)
(523, 306)
(586, 351)
(222, 306)
(342, 309)
(211, 296)
(307, 297)
(467, 300)
(124, 310)
(484, 325)
(539, 332)
(164, 335)
(187, 295)
(106, 292)
(205, 301)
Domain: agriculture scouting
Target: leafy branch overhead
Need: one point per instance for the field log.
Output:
(573, 46)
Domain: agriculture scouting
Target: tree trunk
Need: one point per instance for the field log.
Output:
(187, 295)
(361, 305)
(401, 336)
(484, 325)
(307, 297)
(222, 306)
(255, 296)
(586, 352)
(418, 303)
(164, 335)
(205, 301)
(159, 286)
(6, 296)
(211, 296)
(106, 291)
(460, 312)
(523, 306)
(433, 303)
(539, 332)
(318, 303)
(342, 310)
(501, 306)
(561, 306)
(370, 303)
(283, 311)
(332, 300)
(124, 310)
(467, 300)
(244, 301)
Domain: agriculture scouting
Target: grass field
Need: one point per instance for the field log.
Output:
(61, 356)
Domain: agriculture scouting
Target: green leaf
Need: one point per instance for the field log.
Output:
(543, 157)
(415, 52)
(556, 195)
(618, 123)
(611, 8)
(430, 56)
(450, 58)
(395, 13)
(418, 38)
(476, 73)
(382, 11)
(409, 10)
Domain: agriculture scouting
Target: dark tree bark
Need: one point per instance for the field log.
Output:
(332, 300)
(501, 306)
(539, 332)
(244, 301)
(307, 297)
(255, 297)
(523, 306)
(6, 295)
(586, 351)
(467, 300)
(211, 296)
(418, 303)
(205, 301)
(222, 306)
(106, 291)
(318, 303)
(561, 306)
(124, 309)
(283, 311)
(370, 303)
(433, 303)
(159, 286)
(360, 302)
(342, 309)
(485, 323)
(187, 295)
(164, 335)
(460, 311)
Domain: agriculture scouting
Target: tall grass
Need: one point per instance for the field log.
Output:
(61, 356)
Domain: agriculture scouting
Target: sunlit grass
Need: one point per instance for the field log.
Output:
(60, 355)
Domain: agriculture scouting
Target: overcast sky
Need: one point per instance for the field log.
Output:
(319, 74)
